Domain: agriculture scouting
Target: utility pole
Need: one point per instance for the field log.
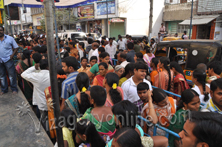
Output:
(21, 19)
(107, 17)
(191, 17)
(9, 20)
(48, 11)
(150, 19)
(69, 17)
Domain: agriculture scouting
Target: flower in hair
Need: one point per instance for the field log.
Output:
(84, 89)
(114, 86)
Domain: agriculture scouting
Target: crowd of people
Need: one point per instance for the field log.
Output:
(106, 98)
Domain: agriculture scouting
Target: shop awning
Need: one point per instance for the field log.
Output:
(200, 20)
(35, 4)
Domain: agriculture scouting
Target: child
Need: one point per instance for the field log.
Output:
(214, 71)
(93, 61)
(84, 67)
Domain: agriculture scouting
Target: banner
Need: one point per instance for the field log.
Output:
(101, 8)
(86, 12)
(1, 4)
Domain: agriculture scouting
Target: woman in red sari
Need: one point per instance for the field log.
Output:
(180, 83)
(98, 80)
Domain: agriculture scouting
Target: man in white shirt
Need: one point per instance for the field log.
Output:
(114, 42)
(94, 50)
(110, 48)
(121, 43)
(121, 57)
(130, 86)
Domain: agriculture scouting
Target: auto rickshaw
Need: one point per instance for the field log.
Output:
(195, 52)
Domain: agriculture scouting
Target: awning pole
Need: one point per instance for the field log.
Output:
(48, 4)
(191, 17)
(9, 20)
(107, 17)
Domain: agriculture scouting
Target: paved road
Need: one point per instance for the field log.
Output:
(19, 127)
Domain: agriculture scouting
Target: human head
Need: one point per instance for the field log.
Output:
(199, 77)
(202, 129)
(36, 49)
(43, 49)
(121, 57)
(127, 137)
(161, 24)
(214, 67)
(160, 98)
(202, 66)
(72, 45)
(95, 45)
(119, 70)
(98, 96)
(101, 50)
(86, 132)
(44, 64)
(104, 57)
(159, 34)
(176, 68)
(216, 92)
(185, 32)
(68, 119)
(189, 100)
(140, 70)
(36, 57)
(138, 55)
(103, 67)
(123, 111)
(152, 40)
(110, 41)
(69, 64)
(120, 38)
(147, 48)
(130, 46)
(142, 91)
(84, 61)
(81, 45)
(93, 61)
(176, 35)
(165, 64)
(90, 40)
(129, 70)
(1, 31)
(154, 62)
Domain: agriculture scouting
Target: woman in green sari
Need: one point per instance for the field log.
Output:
(24, 64)
(189, 101)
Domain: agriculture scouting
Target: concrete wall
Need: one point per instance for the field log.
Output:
(218, 29)
(35, 19)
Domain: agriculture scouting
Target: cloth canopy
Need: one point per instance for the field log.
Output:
(200, 20)
(35, 4)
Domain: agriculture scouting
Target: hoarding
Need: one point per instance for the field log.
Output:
(86, 12)
(101, 8)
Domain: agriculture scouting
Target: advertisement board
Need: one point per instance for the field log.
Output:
(86, 12)
(101, 8)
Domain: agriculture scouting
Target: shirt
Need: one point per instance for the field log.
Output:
(83, 69)
(130, 90)
(122, 44)
(69, 86)
(95, 53)
(6, 45)
(88, 48)
(124, 63)
(136, 48)
(40, 81)
(130, 56)
(90, 54)
(111, 50)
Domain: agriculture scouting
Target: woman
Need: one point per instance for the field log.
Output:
(79, 103)
(189, 101)
(201, 87)
(82, 48)
(137, 56)
(87, 135)
(98, 80)
(180, 83)
(153, 64)
(164, 79)
(114, 93)
(103, 57)
(27, 87)
(148, 56)
(164, 106)
(119, 70)
(129, 71)
(73, 50)
(100, 115)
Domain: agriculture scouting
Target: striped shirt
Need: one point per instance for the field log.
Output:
(69, 86)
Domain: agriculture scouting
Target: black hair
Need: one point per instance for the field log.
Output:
(101, 50)
(128, 137)
(166, 62)
(125, 110)
(177, 68)
(110, 38)
(208, 127)
(60, 71)
(139, 55)
(112, 78)
(129, 67)
(98, 94)
(147, 48)
(87, 128)
(2, 28)
(43, 49)
(43, 64)
(36, 49)
(201, 75)
(142, 86)
(90, 40)
(93, 58)
(82, 80)
(140, 60)
(72, 43)
(26, 55)
(102, 42)
(68, 49)
(185, 32)
(158, 95)
(84, 58)
(104, 55)
(69, 119)
(130, 45)
(155, 61)
(82, 45)
(152, 39)
(216, 84)
(123, 55)
(186, 97)
(71, 61)
(140, 65)
(202, 66)
(217, 67)
(104, 65)
(97, 41)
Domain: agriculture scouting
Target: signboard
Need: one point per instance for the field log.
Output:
(1, 4)
(86, 12)
(101, 8)
(117, 20)
(43, 0)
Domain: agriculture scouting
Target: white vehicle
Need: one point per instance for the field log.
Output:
(73, 35)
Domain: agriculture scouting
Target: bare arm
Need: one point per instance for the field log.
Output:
(90, 74)
(66, 144)
(62, 105)
(14, 52)
(152, 112)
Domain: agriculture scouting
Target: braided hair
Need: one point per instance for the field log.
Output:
(166, 63)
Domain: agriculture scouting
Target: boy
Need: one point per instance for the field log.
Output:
(84, 62)
(214, 71)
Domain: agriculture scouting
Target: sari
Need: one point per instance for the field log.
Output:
(148, 59)
(73, 103)
(98, 80)
(179, 80)
(108, 103)
(162, 80)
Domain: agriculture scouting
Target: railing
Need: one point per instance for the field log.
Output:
(171, 93)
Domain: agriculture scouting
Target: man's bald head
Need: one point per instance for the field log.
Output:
(202, 66)
(95, 45)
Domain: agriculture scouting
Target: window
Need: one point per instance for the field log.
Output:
(183, 1)
(182, 28)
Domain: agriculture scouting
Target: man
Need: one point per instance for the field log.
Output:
(214, 71)
(162, 29)
(114, 41)
(69, 87)
(152, 45)
(40, 81)
(130, 39)
(89, 47)
(202, 129)
(8, 48)
(184, 36)
(176, 35)
(215, 103)
(121, 44)
(130, 86)
(94, 50)
(159, 38)
(136, 46)
(121, 57)
(110, 48)
(131, 52)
